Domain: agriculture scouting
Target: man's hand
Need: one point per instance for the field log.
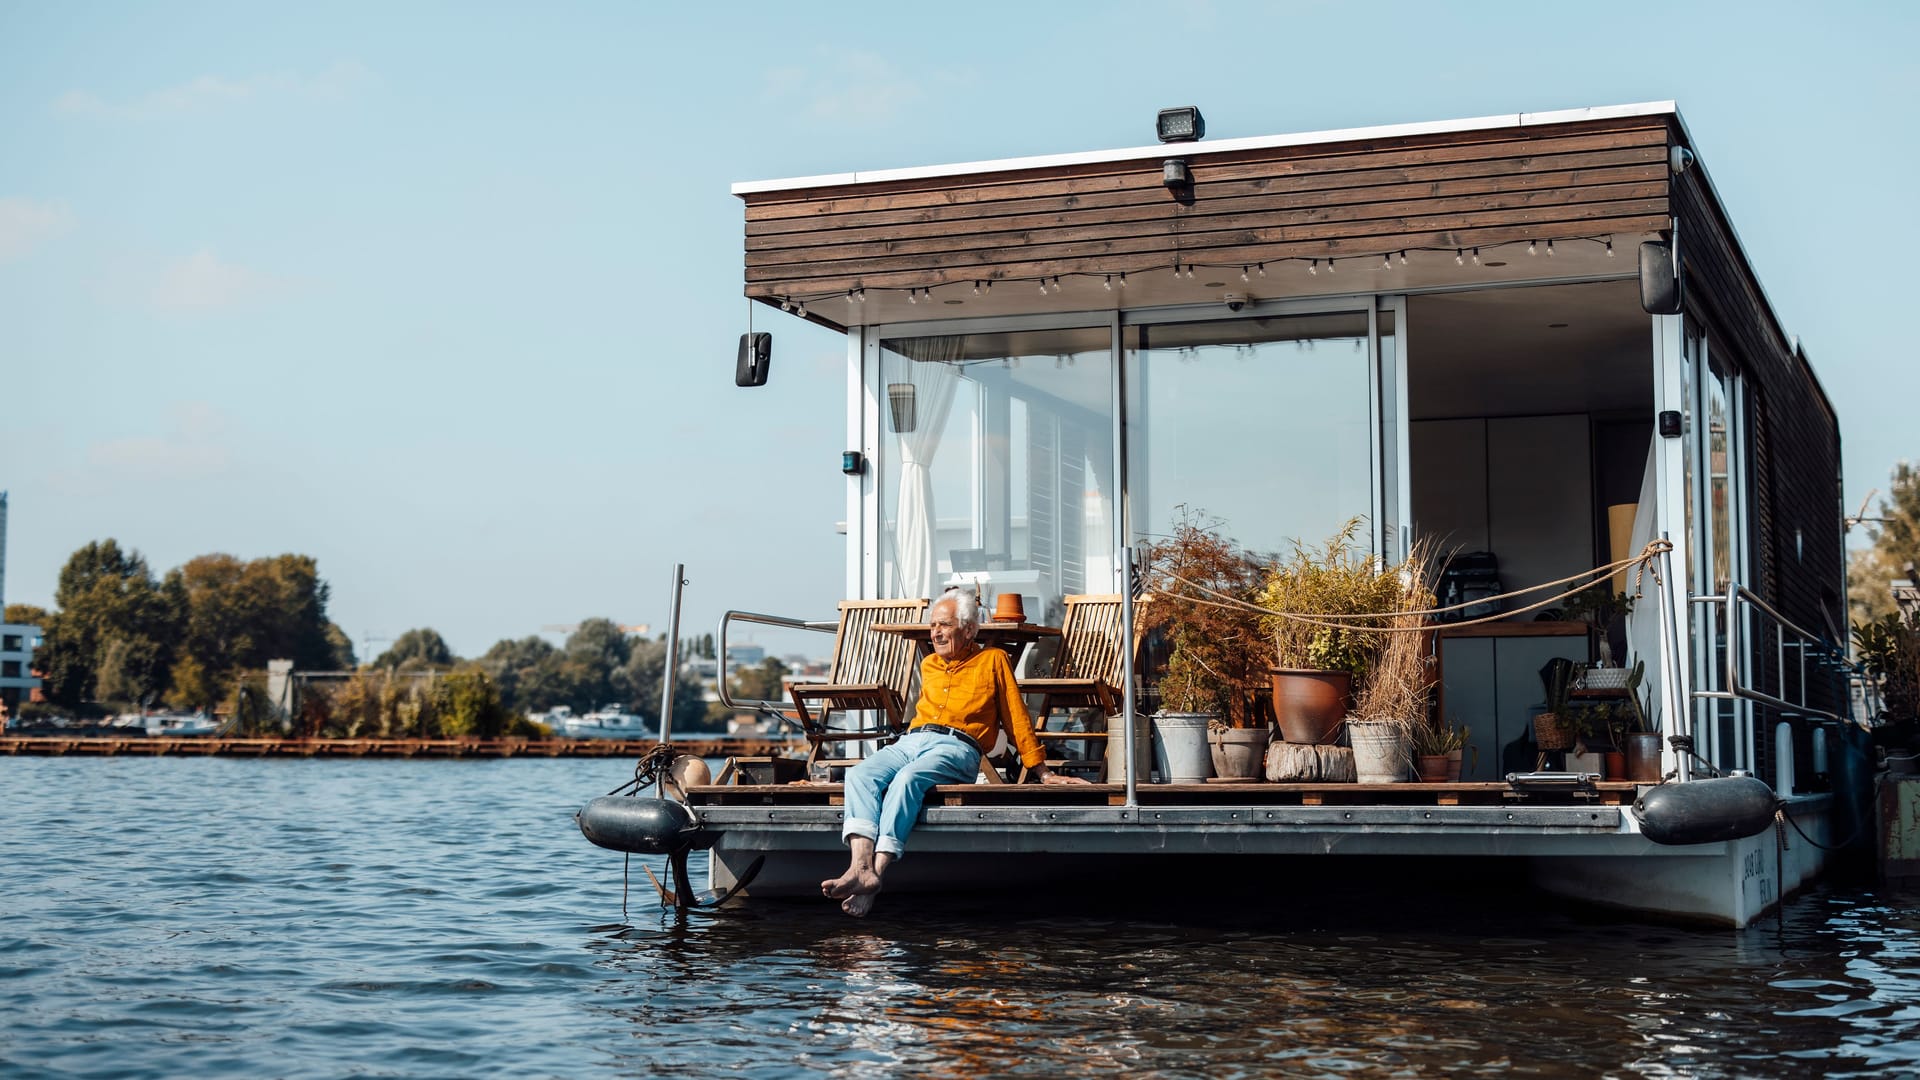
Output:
(1048, 776)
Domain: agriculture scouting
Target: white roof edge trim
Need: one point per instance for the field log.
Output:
(1217, 146)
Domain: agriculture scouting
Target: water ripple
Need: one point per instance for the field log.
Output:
(232, 918)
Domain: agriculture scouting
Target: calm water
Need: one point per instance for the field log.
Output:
(238, 918)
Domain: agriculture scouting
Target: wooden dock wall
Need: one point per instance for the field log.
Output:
(113, 745)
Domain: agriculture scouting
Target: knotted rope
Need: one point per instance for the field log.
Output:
(1643, 564)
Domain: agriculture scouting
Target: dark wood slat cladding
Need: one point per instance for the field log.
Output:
(1455, 190)
(1647, 167)
(944, 271)
(1795, 452)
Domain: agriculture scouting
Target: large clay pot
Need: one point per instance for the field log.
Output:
(1310, 704)
(1643, 757)
(1238, 753)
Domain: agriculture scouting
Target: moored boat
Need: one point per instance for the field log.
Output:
(1534, 338)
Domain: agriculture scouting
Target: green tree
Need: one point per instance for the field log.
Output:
(644, 669)
(1895, 553)
(466, 702)
(416, 650)
(241, 614)
(763, 683)
(106, 594)
(25, 614)
(512, 666)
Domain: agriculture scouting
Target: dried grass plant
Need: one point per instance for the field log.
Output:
(1398, 688)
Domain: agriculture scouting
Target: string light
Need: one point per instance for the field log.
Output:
(1182, 269)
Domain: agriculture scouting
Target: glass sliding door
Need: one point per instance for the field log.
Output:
(1266, 424)
(1714, 453)
(996, 464)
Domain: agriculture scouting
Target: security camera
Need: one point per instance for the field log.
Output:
(1234, 301)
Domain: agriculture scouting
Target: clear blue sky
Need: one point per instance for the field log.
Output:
(446, 295)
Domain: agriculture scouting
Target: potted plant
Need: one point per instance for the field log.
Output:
(1314, 664)
(1552, 729)
(1391, 710)
(1438, 749)
(1189, 708)
(1643, 735)
(1203, 585)
(1598, 607)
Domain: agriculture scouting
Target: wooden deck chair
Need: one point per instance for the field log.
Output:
(1087, 672)
(871, 672)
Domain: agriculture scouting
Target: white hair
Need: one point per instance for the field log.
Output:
(966, 606)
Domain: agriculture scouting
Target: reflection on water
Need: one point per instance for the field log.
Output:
(241, 918)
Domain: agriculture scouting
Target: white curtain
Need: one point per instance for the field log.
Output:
(929, 369)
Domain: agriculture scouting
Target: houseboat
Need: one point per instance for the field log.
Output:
(1533, 336)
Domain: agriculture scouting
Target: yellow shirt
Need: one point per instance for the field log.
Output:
(978, 696)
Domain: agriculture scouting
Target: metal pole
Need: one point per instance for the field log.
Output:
(1128, 752)
(673, 653)
(1676, 702)
(1738, 716)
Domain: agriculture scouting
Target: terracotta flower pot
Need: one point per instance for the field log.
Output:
(1310, 704)
(1616, 765)
(1434, 768)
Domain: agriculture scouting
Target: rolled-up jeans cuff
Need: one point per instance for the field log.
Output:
(853, 827)
(887, 845)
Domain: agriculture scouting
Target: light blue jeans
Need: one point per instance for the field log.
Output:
(884, 792)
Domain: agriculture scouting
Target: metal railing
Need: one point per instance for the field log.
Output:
(776, 709)
(1796, 650)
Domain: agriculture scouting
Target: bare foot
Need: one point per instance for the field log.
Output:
(854, 882)
(859, 904)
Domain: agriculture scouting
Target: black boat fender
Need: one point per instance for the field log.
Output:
(1706, 811)
(658, 827)
(646, 826)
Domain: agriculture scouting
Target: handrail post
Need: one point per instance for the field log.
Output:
(673, 653)
(1128, 751)
(1678, 705)
(1742, 731)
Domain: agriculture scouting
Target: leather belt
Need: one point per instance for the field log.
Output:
(942, 729)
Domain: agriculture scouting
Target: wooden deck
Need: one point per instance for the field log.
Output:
(191, 746)
(1606, 793)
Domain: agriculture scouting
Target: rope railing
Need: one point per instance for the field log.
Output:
(1642, 564)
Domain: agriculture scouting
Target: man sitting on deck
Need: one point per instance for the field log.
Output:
(967, 694)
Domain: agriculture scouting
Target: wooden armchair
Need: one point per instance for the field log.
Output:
(871, 672)
(1087, 673)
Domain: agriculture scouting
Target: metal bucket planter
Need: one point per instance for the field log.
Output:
(1643, 756)
(1380, 751)
(1238, 753)
(1180, 747)
(1310, 704)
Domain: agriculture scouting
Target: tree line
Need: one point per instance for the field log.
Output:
(200, 637)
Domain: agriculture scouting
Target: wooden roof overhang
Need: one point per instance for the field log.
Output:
(987, 237)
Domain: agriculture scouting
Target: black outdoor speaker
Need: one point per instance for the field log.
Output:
(1659, 279)
(756, 350)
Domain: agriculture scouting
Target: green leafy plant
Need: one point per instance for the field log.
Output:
(1889, 647)
(1432, 740)
(1334, 578)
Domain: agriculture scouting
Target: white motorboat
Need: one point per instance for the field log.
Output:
(170, 724)
(607, 722)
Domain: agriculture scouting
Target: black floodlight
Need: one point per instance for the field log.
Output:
(1184, 124)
